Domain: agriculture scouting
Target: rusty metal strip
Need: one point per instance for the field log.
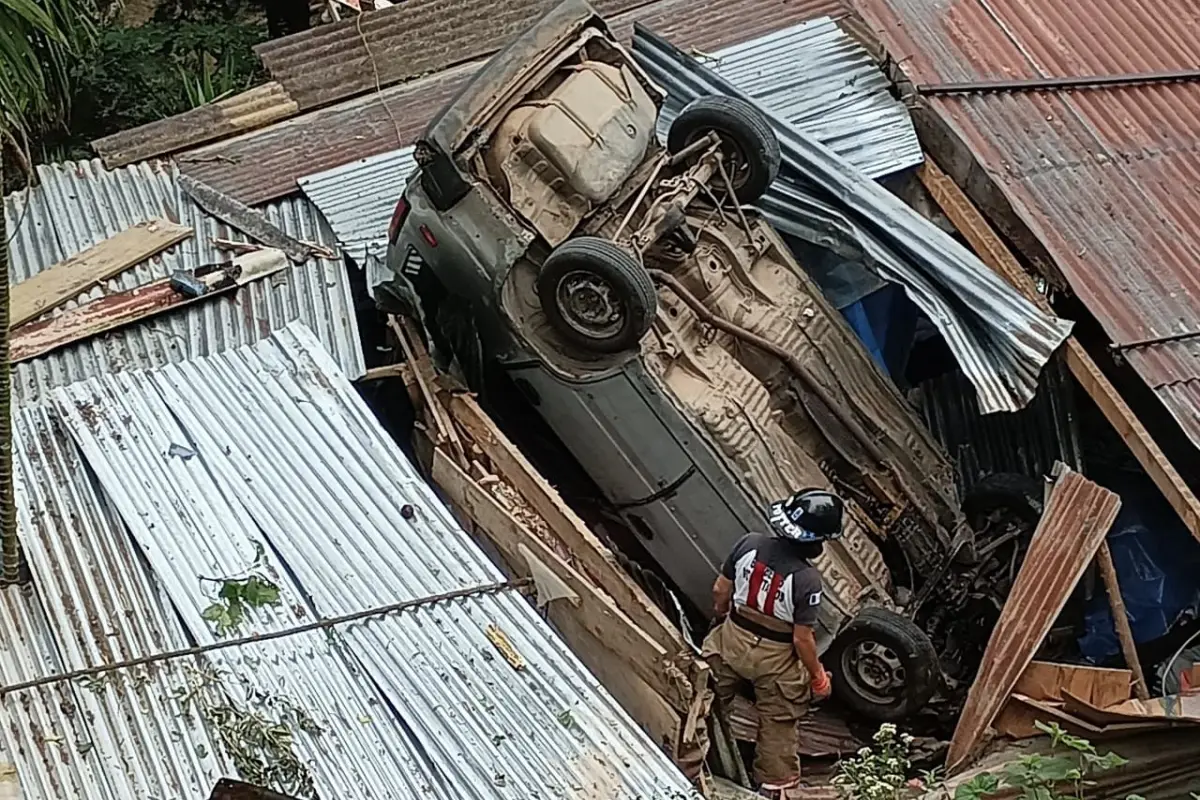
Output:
(1053, 84)
(970, 222)
(1077, 518)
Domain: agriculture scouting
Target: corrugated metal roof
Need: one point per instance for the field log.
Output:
(358, 200)
(78, 204)
(278, 447)
(243, 112)
(1074, 524)
(1104, 178)
(266, 164)
(825, 84)
(418, 37)
(91, 602)
(999, 338)
(1025, 442)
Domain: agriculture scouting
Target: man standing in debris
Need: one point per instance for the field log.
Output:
(766, 600)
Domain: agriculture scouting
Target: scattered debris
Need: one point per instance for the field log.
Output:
(237, 594)
(68, 279)
(117, 310)
(502, 643)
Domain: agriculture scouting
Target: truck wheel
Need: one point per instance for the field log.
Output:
(749, 142)
(884, 667)
(597, 295)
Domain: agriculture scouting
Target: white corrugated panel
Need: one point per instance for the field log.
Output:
(824, 83)
(78, 204)
(358, 200)
(91, 602)
(286, 451)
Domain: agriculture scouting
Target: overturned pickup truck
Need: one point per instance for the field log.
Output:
(666, 334)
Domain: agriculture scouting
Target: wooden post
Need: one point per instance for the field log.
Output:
(1108, 572)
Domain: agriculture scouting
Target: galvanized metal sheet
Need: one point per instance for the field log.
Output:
(113, 737)
(1001, 340)
(271, 443)
(1074, 524)
(823, 83)
(78, 204)
(1094, 174)
(358, 200)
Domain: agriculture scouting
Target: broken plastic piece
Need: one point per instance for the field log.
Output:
(549, 586)
(188, 284)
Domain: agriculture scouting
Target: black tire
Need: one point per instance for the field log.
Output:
(609, 277)
(890, 641)
(1017, 494)
(748, 136)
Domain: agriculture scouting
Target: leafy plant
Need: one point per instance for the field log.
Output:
(252, 589)
(211, 80)
(1060, 775)
(881, 772)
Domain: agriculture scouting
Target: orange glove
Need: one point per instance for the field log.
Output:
(822, 686)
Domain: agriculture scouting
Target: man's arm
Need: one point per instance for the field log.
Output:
(722, 596)
(805, 643)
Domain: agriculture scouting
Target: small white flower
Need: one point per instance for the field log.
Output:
(864, 752)
(906, 738)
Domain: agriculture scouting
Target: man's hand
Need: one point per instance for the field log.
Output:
(722, 596)
(822, 686)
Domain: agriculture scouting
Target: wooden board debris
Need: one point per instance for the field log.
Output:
(68, 279)
(1043, 680)
(247, 220)
(124, 308)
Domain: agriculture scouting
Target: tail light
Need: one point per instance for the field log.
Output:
(398, 217)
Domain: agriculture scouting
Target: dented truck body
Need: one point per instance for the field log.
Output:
(743, 385)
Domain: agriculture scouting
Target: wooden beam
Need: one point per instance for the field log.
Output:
(68, 279)
(1108, 573)
(592, 555)
(993, 252)
(598, 614)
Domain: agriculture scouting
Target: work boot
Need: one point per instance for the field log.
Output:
(781, 791)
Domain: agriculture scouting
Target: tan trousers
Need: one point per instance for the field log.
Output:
(781, 690)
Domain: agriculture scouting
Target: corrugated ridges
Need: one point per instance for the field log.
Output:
(417, 37)
(92, 602)
(285, 452)
(265, 165)
(358, 200)
(1095, 174)
(243, 112)
(77, 204)
(1075, 522)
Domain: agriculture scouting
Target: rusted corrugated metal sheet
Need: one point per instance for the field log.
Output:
(1075, 522)
(243, 112)
(265, 165)
(418, 37)
(1105, 178)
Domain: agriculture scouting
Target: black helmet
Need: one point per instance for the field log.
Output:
(809, 515)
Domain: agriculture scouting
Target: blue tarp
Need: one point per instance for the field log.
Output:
(1158, 568)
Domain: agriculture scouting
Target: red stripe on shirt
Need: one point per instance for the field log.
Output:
(772, 591)
(756, 579)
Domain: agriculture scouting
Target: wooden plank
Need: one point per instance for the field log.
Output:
(247, 220)
(1046, 681)
(983, 239)
(595, 559)
(1108, 573)
(598, 614)
(124, 308)
(68, 279)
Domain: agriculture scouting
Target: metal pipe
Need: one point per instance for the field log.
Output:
(1050, 84)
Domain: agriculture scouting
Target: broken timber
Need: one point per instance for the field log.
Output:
(250, 222)
(72, 277)
(970, 222)
(145, 302)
